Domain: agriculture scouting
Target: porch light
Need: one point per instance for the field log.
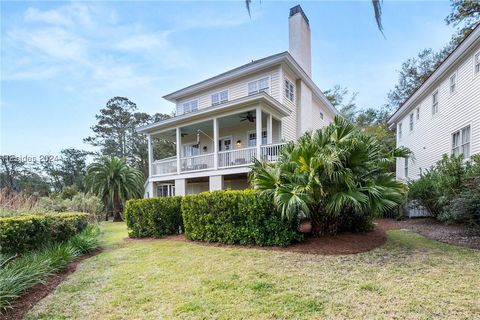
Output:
(239, 143)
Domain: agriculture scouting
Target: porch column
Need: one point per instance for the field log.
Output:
(180, 187)
(215, 183)
(178, 146)
(215, 143)
(269, 129)
(258, 122)
(150, 155)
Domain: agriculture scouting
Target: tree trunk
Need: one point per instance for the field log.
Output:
(117, 217)
(323, 224)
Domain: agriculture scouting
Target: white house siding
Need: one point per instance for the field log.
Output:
(237, 89)
(432, 134)
(289, 123)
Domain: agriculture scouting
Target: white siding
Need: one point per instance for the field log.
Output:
(432, 134)
(237, 89)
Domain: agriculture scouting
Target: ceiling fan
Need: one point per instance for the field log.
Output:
(250, 117)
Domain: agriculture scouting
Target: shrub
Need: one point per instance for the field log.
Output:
(450, 190)
(28, 232)
(22, 273)
(153, 217)
(244, 217)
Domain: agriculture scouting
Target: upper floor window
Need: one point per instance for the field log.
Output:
(260, 85)
(435, 102)
(289, 90)
(411, 121)
(418, 113)
(461, 142)
(321, 115)
(477, 63)
(219, 97)
(453, 83)
(189, 106)
(400, 131)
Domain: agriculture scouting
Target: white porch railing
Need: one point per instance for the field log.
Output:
(195, 163)
(271, 152)
(226, 159)
(238, 157)
(165, 166)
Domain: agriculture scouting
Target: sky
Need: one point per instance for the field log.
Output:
(62, 61)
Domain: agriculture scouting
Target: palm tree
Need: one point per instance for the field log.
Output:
(114, 181)
(337, 176)
(377, 10)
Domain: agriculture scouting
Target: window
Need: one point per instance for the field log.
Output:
(399, 131)
(477, 63)
(435, 102)
(165, 190)
(453, 83)
(219, 97)
(406, 168)
(461, 142)
(261, 85)
(418, 113)
(411, 121)
(321, 115)
(289, 90)
(190, 106)
(252, 138)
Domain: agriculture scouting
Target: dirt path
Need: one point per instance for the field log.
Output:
(459, 235)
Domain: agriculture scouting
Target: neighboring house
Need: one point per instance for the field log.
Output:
(222, 123)
(443, 115)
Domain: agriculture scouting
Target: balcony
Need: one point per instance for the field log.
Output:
(225, 159)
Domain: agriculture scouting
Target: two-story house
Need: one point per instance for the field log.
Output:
(443, 115)
(226, 121)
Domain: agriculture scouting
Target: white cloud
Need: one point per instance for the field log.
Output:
(144, 42)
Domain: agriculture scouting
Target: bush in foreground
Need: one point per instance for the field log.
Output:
(450, 190)
(153, 217)
(337, 176)
(34, 267)
(243, 217)
(23, 233)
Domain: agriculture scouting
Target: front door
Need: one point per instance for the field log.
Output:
(225, 144)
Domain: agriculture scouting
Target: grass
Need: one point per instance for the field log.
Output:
(409, 277)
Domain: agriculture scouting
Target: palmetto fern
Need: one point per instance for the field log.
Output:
(334, 171)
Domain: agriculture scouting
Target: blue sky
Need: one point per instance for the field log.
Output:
(61, 62)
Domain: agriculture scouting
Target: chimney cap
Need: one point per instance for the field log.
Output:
(298, 9)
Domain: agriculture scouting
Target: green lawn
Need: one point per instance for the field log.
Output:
(410, 277)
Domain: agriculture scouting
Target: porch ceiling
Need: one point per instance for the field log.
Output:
(234, 107)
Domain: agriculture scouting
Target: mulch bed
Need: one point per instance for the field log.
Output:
(36, 293)
(344, 243)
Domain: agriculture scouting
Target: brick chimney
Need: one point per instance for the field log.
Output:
(299, 38)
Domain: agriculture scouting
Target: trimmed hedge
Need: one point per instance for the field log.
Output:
(23, 233)
(243, 217)
(153, 217)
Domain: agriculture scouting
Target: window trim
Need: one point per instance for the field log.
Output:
(258, 80)
(220, 101)
(453, 75)
(475, 55)
(285, 80)
(185, 102)
(460, 141)
(435, 104)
